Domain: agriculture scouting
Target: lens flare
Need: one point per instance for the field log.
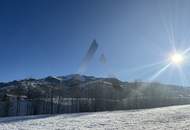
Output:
(177, 58)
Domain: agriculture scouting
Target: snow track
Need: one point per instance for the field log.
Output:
(166, 118)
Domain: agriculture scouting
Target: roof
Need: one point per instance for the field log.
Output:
(21, 96)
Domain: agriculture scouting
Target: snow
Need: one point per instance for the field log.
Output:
(166, 118)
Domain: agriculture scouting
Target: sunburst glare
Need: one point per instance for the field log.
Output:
(177, 58)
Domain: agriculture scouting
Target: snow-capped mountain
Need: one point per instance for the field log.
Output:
(71, 83)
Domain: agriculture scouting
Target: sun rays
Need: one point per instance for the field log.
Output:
(152, 78)
(177, 59)
(171, 51)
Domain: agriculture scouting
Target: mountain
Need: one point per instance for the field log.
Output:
(81, 93)
(76, 85)
(67, 83)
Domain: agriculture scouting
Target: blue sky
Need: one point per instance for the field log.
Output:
(39, 38)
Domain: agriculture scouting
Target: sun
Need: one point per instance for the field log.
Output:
(177, 58)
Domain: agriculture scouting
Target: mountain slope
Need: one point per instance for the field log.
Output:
(67, 86)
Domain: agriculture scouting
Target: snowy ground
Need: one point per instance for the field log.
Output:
(167, 118)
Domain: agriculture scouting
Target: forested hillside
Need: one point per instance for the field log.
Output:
(78, 93)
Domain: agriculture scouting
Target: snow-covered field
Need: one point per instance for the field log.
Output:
(166, 118)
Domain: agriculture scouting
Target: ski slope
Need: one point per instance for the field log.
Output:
(166, 118)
